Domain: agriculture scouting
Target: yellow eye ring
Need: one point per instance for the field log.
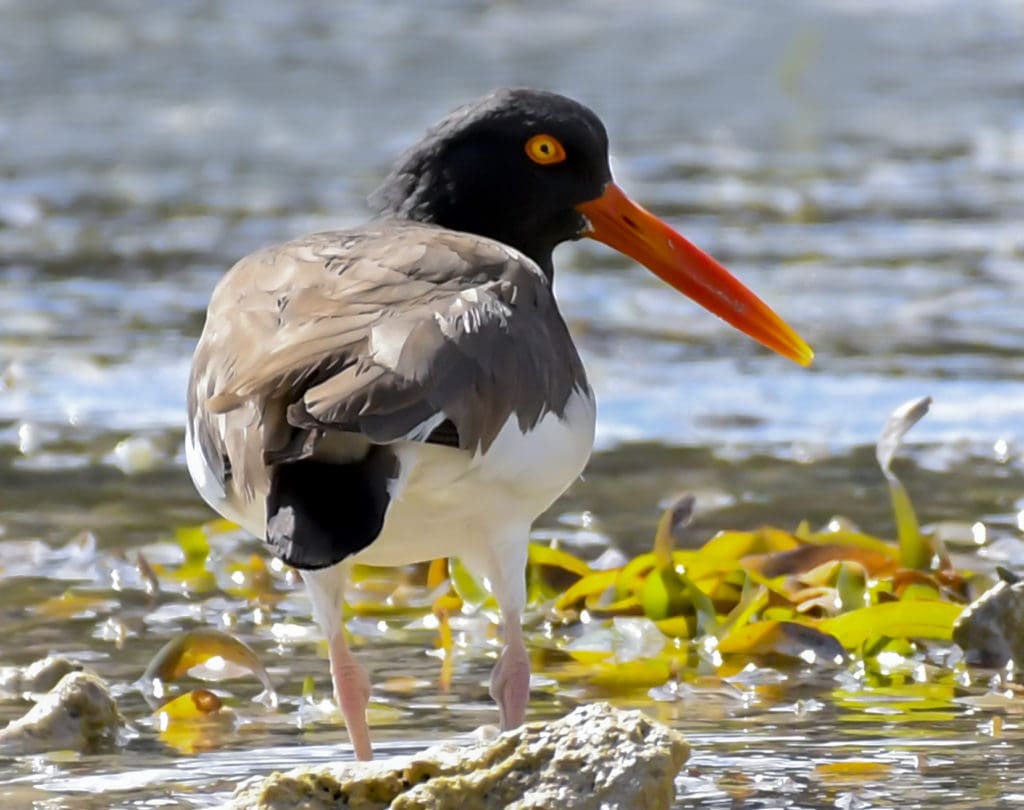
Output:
(545, 149)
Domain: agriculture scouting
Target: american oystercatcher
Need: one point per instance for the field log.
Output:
(408, 389)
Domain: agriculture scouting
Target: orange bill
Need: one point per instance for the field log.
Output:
(619, 222)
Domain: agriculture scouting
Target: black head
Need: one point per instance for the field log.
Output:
(511, 166)
(530, 169)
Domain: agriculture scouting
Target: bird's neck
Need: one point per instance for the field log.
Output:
(461, 198)
(501, 229)
(440, 211)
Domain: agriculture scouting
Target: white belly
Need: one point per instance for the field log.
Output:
(448, 502)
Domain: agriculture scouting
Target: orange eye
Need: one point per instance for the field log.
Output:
(545, 149)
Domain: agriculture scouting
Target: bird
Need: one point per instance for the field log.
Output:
(408, 389)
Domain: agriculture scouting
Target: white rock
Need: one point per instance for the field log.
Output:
(78, 713)
(596, 757)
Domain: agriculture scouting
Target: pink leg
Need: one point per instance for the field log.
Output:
(510, 681)
(352, 693)
(351, 683)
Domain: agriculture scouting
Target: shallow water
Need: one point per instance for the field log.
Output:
(860, 165)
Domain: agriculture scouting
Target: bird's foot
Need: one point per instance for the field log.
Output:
(352, 693)
(510, 685)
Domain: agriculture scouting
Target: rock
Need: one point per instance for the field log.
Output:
(78, 713)
(38, 677)
(991, 630)
(596, 757)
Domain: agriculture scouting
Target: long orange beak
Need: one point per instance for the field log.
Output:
(618, 221)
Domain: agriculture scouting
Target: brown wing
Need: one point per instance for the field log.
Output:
(384, 332)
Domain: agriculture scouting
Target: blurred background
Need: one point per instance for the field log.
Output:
(859, 163)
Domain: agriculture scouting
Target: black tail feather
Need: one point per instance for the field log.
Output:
(320, 512)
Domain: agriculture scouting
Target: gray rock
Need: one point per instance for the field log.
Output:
(991, 629)
(596, 757)
(78, 713)
(38, 677)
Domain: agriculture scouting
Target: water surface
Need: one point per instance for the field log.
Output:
(861, 165)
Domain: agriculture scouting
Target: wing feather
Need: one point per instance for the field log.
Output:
(383, 332)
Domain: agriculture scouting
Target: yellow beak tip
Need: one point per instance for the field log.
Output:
(805, 356)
